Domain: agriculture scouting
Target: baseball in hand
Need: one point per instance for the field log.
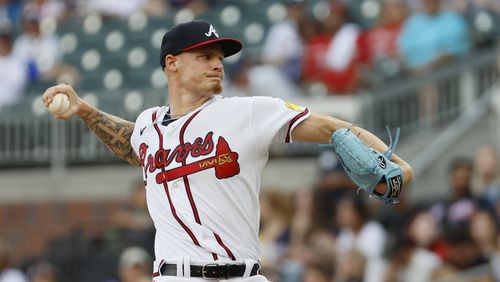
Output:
(60, 104)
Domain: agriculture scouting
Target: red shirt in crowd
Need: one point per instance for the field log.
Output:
(379, 42)
(315, 68)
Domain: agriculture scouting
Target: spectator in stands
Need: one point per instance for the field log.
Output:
(133, 223)
(318, 242)
(359, 232)
(302, 220)
(197, 6)
(309, 237)
(279, 69)
(496, 259)
(484, 231)
(134, 266)
(470, 6)
(291, 267)
(486, 180)
(462, 251)
(12, 71)
(433, 37)
(249, 79)
(46, 8)
(320, 269)
(274, 234)
(41, 52)
(7, 273)
(461, 204)
(425, 233)
(351, 267)
(123, 9)
(238, 83)
(283, 46)
(331, 56)
(484, 18)
(10, 10)
(463, 254)
(391, 217)
(412, 258)
(43, 272)
(378, 45)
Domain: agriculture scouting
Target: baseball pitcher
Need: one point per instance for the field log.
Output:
(202, 157)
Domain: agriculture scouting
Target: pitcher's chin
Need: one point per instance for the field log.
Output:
(217, 89)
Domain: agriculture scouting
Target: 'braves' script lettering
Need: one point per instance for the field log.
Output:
(163, 157)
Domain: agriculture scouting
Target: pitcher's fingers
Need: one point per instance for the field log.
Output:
(45, 102)
(49, 94)
(66, 115)
(61, 117)
(60, 88)
(47, 98)
(381, 188)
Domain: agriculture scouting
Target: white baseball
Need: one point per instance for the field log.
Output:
(60, 104)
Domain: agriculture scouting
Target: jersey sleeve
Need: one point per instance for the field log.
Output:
(143, 121)
(273, 119)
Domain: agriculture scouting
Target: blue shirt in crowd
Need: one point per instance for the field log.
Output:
(425, 38)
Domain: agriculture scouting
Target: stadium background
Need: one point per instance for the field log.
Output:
(70, 211)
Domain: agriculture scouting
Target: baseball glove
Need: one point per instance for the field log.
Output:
(367, 167)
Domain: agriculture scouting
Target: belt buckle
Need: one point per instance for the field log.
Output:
(204, 271)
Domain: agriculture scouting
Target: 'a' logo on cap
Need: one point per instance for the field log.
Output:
(210, 31)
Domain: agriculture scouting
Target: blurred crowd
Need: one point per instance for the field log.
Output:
(332, 233)
(322, 233)
(329, 232)
(116, 249)
(340, 48)
(341, 52)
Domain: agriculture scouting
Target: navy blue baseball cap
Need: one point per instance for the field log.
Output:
(187, 36)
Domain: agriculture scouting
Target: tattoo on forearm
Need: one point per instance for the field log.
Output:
(114, 132)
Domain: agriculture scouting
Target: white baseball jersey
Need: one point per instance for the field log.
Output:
(202, 174)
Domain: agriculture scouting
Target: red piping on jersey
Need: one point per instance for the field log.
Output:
(156, 274)
(228, 251)
(292, 122)
(165, 186)
(186, 182)
(190, 195)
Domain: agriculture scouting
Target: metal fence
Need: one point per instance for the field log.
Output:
(434, 100)
(30, 137)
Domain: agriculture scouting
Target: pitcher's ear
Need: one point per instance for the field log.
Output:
(171, 62)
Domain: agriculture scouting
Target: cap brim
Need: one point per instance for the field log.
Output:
(229, 46)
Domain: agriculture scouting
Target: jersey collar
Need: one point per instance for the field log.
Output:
(164, 112)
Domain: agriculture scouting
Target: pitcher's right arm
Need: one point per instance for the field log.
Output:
(113, 131)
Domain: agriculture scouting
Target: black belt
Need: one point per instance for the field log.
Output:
(212, 271)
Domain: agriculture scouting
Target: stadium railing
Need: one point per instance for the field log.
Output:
(29, 136)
